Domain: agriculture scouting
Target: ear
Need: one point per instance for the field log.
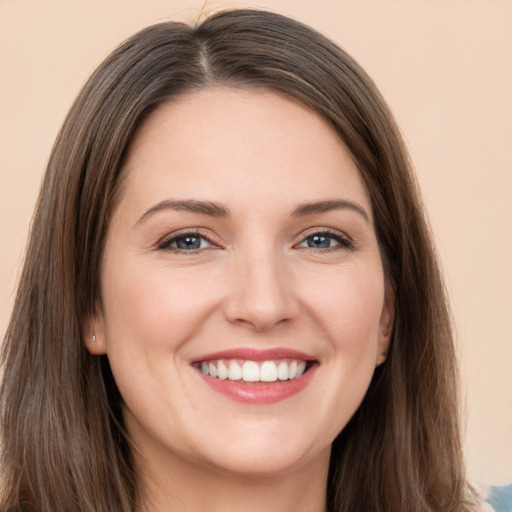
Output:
(94, 335)
(386, 325)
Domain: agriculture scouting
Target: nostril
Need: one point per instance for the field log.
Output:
(261, 312)
(260, 294)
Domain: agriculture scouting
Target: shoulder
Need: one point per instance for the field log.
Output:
(494, 498)
(499, 498)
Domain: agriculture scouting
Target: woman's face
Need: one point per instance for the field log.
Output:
(241, 253)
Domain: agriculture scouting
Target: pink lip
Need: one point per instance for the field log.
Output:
(255, 355)
(257, 392)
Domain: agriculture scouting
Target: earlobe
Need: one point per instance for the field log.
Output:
(95, 345)
(386, 326)
(94, 336)
(380, 359)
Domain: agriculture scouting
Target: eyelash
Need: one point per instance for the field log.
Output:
(165, 244)
(343, 241)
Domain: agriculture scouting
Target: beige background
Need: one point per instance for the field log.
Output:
(444, 66)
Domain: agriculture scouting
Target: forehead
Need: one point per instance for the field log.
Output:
(231, 143)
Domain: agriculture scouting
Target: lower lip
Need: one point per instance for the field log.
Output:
(259, 392)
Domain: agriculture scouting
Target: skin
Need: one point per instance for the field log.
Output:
(255, 284)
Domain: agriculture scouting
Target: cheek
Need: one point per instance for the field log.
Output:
(348, 305)
(151, 313)
(347, 308)
(154, 307)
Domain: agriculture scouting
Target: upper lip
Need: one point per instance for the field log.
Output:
(252, 354)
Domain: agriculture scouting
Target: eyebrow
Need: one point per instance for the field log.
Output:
(327, 206)
(212, 209)
(201, 207)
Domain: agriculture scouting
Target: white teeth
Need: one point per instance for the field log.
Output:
(292, 371)
(268, 372)
(253, 371)
(235, 371)
(222, 371)
(282, 371)
(212, 369)
(250, 371)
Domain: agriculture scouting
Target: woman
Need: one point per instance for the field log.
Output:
(230, 298)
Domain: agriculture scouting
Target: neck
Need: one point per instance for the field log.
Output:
(179, 485)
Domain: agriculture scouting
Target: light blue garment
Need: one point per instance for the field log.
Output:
(500, 498)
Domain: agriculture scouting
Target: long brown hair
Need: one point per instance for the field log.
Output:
(64, 447)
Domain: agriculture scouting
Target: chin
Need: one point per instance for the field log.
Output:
(266, 455)
(258, 465)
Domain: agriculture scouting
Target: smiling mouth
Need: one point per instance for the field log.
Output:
(257, 376)
(254, 371)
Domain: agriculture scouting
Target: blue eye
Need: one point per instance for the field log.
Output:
(325, 241)
(319, 241)
(186, 242)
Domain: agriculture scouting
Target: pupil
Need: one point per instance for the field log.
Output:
(319, 241)
(189, 242)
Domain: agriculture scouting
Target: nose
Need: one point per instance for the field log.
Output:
(261, 292)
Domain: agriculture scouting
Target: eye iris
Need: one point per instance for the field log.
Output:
(319, 241)
(188, 242)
